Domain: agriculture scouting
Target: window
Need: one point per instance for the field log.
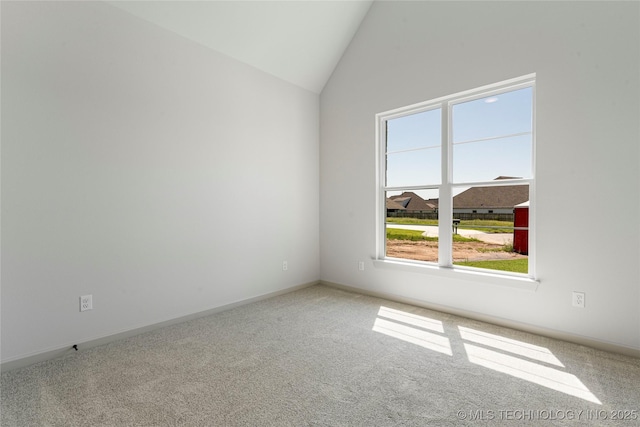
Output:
(456, 180)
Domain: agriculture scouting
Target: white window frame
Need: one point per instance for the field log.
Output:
(446, 187)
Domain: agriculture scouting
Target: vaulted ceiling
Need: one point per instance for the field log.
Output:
(298, 41)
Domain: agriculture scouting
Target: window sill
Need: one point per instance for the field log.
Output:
(519, 282)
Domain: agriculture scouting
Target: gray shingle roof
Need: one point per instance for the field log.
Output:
(393, 205)
(412, 202)
(506, 196)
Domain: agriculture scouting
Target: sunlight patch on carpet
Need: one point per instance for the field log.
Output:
(411, 328)
(512, 357)
(411, 319)
(520, 348)
(530, 371)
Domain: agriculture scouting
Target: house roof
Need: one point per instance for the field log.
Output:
(433, 202)
(507, 177)
(412, 202)
(394, 205)
(504, 196)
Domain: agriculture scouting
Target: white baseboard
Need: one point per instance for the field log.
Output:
(30, 359)
(546, 332)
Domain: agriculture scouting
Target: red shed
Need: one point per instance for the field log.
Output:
(521, 228)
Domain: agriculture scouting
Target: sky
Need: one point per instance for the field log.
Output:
(491, 137)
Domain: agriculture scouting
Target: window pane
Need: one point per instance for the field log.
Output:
(492, 137)
(493, 228)
(414, 131)
(487, 160)
(420, 167)
(412, 225)
(493, 116)
(413, 149)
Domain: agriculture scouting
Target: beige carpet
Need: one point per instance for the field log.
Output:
(324, 357)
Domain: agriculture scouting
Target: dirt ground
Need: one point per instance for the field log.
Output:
(462, 251)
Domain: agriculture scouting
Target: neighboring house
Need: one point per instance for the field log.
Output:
(476, 200)
(488, 200)
(413, 203)
(393, 206)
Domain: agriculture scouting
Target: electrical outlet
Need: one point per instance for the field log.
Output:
(86, 302)
(285, 266)
(361, 265)
(578, 299)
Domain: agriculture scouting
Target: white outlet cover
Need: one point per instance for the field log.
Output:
(578, 299)
(86, 302)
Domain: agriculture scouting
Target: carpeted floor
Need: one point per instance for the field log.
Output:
(325, 357)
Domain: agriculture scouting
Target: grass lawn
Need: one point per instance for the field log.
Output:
(416, 235)
(412, 221)
(514, 265)
(413, 235)
(475, 224)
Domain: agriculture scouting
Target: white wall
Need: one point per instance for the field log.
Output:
(166, 179)
(160, 177)
(586, 56)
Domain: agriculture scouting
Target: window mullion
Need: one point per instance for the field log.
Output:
(445, 203)
(381, 226)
